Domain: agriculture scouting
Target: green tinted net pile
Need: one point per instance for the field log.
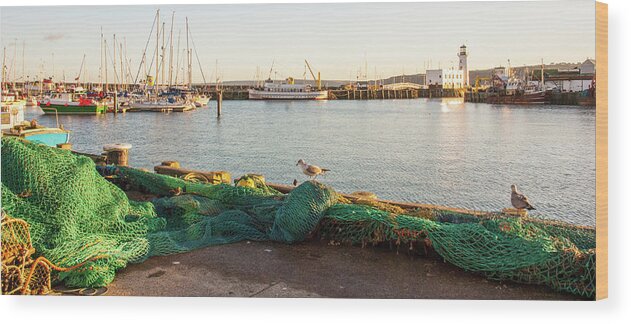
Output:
(76, 215)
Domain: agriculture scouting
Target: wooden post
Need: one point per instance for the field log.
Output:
(115, 103)
(219, 101)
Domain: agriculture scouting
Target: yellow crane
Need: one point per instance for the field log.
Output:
(317, 80)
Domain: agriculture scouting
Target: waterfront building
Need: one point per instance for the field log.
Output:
(451, 78)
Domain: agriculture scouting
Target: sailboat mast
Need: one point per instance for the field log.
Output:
(4, 66)
(85, 76)
(144, 65)
(171, 51)
(177, 58)
(543, 83)
(114, 63)
(101, 67)
(188, 58)
(122, 66)
(24, 81)
(157, 49)
(15, 54)
(107, 86)
(163, 53)
(23, 65)
(127, 63)
(366, 69)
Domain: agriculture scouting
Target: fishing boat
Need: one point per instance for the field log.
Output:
(287, 90)
(518, 98)
(71, 103)
(33, 132)
(515, 91)
(12, 110)
(13, 124)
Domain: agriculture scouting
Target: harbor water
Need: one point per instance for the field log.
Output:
(442, 152)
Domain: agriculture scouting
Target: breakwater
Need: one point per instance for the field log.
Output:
(552, 98)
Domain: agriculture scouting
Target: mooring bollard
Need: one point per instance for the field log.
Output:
(117, 154)
(172, 164)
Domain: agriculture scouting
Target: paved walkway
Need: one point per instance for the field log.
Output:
(312, 269)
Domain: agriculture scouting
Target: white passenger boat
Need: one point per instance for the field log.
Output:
(287, 90)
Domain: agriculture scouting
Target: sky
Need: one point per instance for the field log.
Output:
(232, 41)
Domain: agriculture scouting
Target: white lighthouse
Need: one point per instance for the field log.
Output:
(462, 56)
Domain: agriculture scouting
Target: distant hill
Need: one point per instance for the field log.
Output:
(419, 78)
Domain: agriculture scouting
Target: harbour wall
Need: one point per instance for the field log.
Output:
(554, 98)
(242, 94)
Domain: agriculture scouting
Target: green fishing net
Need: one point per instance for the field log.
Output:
(76, 216)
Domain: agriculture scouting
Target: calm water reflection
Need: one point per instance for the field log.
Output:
(429, 151)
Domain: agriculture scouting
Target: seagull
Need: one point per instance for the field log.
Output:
(311, 170)
(518, 200)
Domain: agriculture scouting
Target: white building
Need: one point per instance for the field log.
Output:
(451, 78)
